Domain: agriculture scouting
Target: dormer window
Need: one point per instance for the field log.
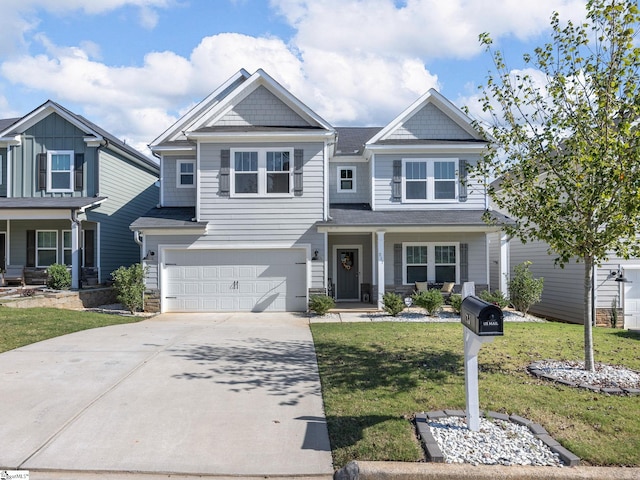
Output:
(186, 174)
(347, 179)
(60, 171)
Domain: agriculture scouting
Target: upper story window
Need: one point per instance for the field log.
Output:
(261, 172)
(425, 180)
(186, 177)
(60, 171)
(346, 179)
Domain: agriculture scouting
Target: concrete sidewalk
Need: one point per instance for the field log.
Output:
(188, 394)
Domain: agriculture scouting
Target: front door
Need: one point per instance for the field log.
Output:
(347, 281)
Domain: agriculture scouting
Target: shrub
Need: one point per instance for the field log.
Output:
(392, 303)
(431, 300)
(496, 297)
(129, 286)
(524, 290)
(59, 278)
(456, 302)
(321, 304)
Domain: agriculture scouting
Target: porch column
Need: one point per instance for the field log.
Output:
(380, 249)
(75, 252)
(504, 262)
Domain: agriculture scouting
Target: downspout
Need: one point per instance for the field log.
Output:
(75, 257)
(137, 237)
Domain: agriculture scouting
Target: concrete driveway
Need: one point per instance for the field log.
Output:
(190, 394)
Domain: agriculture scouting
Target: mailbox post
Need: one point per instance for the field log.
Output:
(482, 322)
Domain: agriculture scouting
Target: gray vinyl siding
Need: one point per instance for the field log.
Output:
(3, 172)
(172, 195)
(263, 108)
(494, 263)
(51, 133)
(362, 183)
(126, 201)
(383, 169)
(563, 293)
(477, 251)
(18, 237)
(430, 123)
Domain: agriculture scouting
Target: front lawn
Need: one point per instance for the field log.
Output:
(375, 376)
(22, 326)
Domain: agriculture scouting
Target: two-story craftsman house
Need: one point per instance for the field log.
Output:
(263, 203)
(68, 192)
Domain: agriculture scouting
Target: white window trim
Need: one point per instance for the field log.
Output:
(179, 173)
(430, 180)
(353, 180)
(38, 248)
(431, 258)
(50, 153)
(262, 173)
(64, 249)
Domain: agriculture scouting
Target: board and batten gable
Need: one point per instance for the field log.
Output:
(125, 202)
(383, 184)
(429, 123)
(51, 133)
(174, 196)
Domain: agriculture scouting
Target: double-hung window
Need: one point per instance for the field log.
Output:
(426, 180)
(66, 247)
(186, 174)
(430, 262)
(46, 247)
(60, 171)
(347, 179)
(262, 172)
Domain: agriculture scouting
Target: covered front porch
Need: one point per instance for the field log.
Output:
(370, 253)
(38, 232)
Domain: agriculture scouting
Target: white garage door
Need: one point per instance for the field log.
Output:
(632, 299)
(235, 280)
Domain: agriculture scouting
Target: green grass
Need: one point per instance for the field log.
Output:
(23, 326)
(376, 376)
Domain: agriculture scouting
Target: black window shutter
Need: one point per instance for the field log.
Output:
(397, 264)
(225, 165)
(396, 184)
(78, 172)
(31, 247)
(298, 161)
(42, 171)
(462, 172)
(464, 262)
(89, 248)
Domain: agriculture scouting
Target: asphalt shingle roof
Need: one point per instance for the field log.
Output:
(48, 202)
(351, 140)
(168, 217)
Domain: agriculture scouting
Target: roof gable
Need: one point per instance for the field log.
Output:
(431, 117)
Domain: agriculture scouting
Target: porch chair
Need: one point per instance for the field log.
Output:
(13, 273)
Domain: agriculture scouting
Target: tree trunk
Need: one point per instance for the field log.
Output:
(588, 313)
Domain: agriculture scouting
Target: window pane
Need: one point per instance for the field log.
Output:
(277, 161)
(445, 254)
(186, 179)
(61, 162)
(246, 183)
(416, 190)
(186, 168)
(47, 240)
(246, 161)
(444, 170)
(416, 254)
(66, 239)
(278, 182)
(445, 273)
(67, 257)
(416, 170)
(346, 185)
(46, 257)
(346, 173)
(416, 274)
(444, 190)
(60, 180)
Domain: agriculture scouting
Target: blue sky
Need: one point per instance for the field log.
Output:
(134, 66)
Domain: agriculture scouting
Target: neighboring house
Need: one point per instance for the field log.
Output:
(563, 294)
(68, 192)
(264, 203)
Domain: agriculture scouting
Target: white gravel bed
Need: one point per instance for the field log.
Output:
(604, 376)
(497, 442)
(419, 315)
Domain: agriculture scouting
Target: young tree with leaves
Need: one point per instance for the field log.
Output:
(566, 150)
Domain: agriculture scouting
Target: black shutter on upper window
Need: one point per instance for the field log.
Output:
(298, 162)
(396, 183)
(41, 160)
(78, 172)
(462, 173)
(224, 177)
(31, 248)
(397, 264)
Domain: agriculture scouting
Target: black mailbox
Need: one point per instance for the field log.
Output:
(482, 318)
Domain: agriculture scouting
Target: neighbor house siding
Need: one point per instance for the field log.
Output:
(51, 133)
(430, 123)
(174, 196)
(384, 182)
(362, 183)
(262, 108)
(3, 172)
(125, 202)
